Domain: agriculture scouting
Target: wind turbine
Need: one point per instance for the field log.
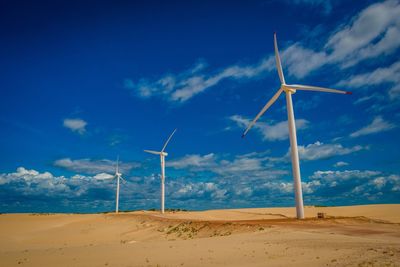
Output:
(118, 176)
(290, 89)
(162, 159)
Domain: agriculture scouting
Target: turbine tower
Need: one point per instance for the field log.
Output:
(117, 176)
(162, 159)
(290, 89)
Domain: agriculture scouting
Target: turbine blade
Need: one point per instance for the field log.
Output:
(117, 169)
(169, 138)
(278, 61)
(269, 103)
(152, 152)
(316, 88)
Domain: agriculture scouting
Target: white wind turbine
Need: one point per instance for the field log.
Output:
(290, 89)
(162, 159)
(118, 176)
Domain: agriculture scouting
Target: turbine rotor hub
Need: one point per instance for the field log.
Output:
(287, 89)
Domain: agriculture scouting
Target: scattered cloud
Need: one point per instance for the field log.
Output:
(300, 61)
(384, 75)
(103, 176)
(374, 96)
(253, 165)
(208, 190)
(33, 190)
(34, 181)
(373, 32)
(183, 86)
(324, 5)
(341, 164)
(331, 176)
(320, 150)
(91, 166)
(194, 161)
(357, 184)
(377, 125)
(76, 125)
(270, 132)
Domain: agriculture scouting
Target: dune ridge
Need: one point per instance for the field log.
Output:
(367, 235)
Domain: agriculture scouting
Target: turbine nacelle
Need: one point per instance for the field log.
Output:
(287, 89)
(161, 153)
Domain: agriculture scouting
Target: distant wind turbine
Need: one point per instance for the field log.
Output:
(118, 176)
(289, 90)
(162, 159)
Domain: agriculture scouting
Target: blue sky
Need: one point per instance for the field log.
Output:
(83, 82)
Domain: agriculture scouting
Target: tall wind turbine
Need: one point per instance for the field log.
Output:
(290, 89)
(117, 176)
(162, 159)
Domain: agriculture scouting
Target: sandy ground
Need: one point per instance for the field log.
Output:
(351, 236)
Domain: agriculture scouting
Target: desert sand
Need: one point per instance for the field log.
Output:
(349, 236)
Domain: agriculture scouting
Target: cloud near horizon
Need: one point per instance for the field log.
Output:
(90, 166)
(35, 190)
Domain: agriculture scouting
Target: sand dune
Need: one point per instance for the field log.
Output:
(352, 236)
(386, 212)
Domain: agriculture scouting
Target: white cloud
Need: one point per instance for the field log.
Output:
(270, 132)
(331, 176)
(374, 96)
(376, 186)
(384, 75)
(193, 161)
(301, 61)
(103, 176)
(340, 164)
(394, 92)
(378, 76)
(183, 86)
(320, 150)
(91, 166)
(76, 125)
(253, 165)
(200, 190)
(379, 182)
(33, 182)
(377, 125)
(373, 32)
(324, 5)
(395, 180)
(282, 187)
(310, 187)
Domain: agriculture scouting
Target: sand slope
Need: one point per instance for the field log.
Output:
(357, 236)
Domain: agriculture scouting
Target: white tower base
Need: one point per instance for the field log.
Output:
(295, 157)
